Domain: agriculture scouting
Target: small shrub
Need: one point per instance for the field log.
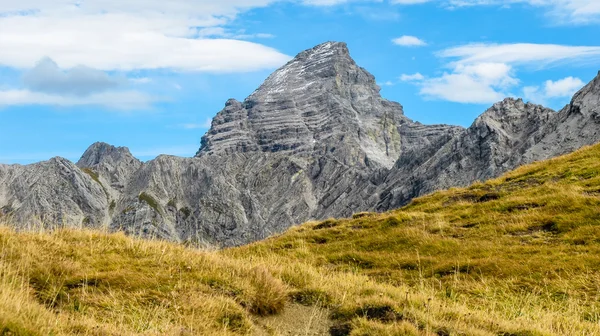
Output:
(270, 294)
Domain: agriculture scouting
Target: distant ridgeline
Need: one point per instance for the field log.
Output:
(315, 140)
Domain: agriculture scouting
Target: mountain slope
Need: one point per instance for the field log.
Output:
(295, 149)
(316, 140)
(509, 134)
(525, 243)
(518, 255)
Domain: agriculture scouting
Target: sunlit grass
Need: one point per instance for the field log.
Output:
(519, 255)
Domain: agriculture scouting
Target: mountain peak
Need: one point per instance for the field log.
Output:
(326, 50)
(509, 110)
(327, 66)
(100, 152)
(319, 102)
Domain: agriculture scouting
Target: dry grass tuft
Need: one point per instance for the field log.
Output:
(271, 294)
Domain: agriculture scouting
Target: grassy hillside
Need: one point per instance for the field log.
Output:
(519, 255)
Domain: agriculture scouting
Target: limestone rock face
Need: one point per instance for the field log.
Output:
(509, 134)
(113, 166)
(495, 143)
(316, 140)
(320, 103)
(576, 125)
(295, 149)
(55, 192)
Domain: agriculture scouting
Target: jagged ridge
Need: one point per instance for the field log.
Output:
(316, 140)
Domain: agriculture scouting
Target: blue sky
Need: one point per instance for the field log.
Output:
(150, 74)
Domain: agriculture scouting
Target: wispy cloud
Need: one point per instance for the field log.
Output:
(486, 73)
(129, 35)
(226, 33)
(118, 100)
(142, 80)
(562, 11)
(409, 41)
(204, 125)
(414, 77)
(519, 53)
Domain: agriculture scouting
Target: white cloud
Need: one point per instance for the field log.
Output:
(481, 73)
(478, 83)
(409, 41)
(127, 35)
(562, 88)
(410, 78)
(122, 100)
(565, 87)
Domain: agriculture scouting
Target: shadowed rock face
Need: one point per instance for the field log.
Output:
(316, 140)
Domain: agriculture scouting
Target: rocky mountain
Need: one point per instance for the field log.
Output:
(316, 140)
(509, 134)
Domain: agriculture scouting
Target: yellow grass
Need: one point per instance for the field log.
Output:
(519, 255)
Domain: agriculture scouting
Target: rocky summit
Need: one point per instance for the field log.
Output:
(316, 140)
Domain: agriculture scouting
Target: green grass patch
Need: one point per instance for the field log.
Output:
(144, 197)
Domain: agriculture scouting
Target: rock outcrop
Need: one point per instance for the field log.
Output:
(112, 166)
(316, 140)
(54, 193)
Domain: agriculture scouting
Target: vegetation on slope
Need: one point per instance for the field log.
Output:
(518, 255)
(525, 246)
